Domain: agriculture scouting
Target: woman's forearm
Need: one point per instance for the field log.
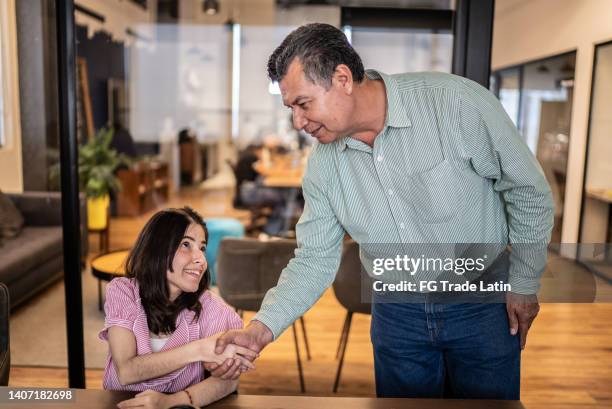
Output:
(211, 390)
(144, 367)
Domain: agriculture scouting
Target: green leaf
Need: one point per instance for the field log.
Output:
(97, 165)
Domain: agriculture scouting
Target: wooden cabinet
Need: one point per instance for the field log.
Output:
(144, 186)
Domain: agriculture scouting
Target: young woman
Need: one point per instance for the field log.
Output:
(162, 322)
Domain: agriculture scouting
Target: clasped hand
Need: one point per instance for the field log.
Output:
(236, 354)
(254, 338)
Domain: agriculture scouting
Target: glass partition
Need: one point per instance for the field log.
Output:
(261, 110)
(32, 257)
(596, 222)
(507, 83)
(182, 77)
(538, 98)
(546, 99)
(148, 70)
(412, 50)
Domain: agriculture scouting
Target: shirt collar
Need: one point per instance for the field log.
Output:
(348, 142)
(397, 116)
(396, 113)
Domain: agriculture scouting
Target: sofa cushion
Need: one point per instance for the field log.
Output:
(26, 251)
(11, 220)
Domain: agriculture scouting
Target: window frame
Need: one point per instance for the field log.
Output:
(9, 77)
(596, 48)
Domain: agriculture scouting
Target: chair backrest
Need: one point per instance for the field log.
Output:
(5, 350)
(248, 268)
(350, 285)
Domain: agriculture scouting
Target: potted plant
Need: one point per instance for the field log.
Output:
(97, 165)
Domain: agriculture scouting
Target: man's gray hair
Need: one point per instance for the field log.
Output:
(320, 48)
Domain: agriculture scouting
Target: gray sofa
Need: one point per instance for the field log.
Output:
(33, 260)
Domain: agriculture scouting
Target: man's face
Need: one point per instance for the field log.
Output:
(323, 113)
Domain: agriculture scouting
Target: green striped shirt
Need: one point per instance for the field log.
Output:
(448, 167)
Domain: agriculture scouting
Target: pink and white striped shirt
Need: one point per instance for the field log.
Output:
(124, 309)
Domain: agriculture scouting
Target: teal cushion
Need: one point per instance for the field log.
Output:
(217, 230)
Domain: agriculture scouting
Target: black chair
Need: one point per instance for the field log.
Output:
(247, 269)
(5, 351)
(350, 291)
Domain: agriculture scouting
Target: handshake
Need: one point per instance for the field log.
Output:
(227, 355)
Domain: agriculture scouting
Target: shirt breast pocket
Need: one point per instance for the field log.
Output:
(435, 193)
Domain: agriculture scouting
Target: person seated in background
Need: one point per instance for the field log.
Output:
(251, 191)
(122, 141)
(188, 147)
(162, 322)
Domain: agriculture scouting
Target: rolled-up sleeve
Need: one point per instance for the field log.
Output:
(312, 270)
(121, 306)
(497, 151)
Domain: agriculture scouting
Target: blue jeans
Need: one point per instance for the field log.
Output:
(432, 350)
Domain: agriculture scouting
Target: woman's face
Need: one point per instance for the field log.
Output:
(189, 263)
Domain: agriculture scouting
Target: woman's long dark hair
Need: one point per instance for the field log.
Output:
(150, 259)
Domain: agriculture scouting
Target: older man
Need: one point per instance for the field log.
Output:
(408, 158)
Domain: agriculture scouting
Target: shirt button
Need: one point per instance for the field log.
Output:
(390, 192)
(402, 225)
(379, 158)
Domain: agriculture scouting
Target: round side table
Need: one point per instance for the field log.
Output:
(108, 266)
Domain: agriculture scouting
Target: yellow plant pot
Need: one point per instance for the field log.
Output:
(97, 212)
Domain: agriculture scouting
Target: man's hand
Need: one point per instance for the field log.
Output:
(206, 349)
(254, 337)
(522, 310)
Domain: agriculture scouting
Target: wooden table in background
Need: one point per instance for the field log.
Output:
(97, 399)
(289, 180)
(281, 174)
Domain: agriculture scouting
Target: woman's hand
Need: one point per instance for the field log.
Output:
(242, 354)
(150, 400)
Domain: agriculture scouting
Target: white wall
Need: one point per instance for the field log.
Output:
(11, 176)
(185, 78)
(526, 30)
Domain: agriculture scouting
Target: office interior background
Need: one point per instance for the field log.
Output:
(184, 83)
